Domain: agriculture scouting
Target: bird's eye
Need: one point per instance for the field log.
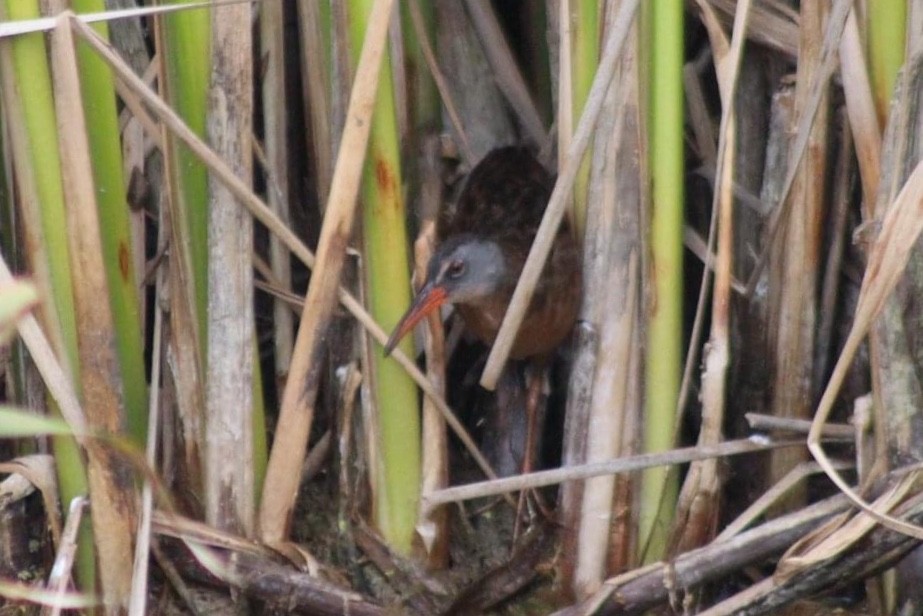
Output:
(456, 269)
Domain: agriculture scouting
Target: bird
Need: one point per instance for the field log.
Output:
(483, 241)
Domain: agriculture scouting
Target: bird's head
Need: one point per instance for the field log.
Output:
(464, 269)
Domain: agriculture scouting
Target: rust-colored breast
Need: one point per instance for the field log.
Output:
(504, 200)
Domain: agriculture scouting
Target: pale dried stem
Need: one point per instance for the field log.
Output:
(826, 65)
(60, 579)
(299, 396)
(433, 524)
(585, 471)
(229, 477)
(697, 516)
(797, 249)
(506, 72)
(860, 108)
(100, 377)
(138, 604)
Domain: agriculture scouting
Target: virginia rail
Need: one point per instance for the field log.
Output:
(484, 241)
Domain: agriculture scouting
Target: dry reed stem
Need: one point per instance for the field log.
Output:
(432, 525)
(585, 471)
(836, 24)
(797, 248)
(298, 398)
(184, 360)
(860, 107)
(602, 401)
(314, 64)
(229, 468)
(60, 579)
(598, 380)
(547, 231)
(565, 90)
(138, 603)
(776, 30)
(113, 498)
(697, 507)
(506, 72)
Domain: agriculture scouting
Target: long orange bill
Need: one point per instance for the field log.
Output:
(428, 299)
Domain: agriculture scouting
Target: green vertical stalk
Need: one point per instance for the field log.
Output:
(187, 36)
(887, 33)
(664, 40)
(388, 282)
(33, 125)
(98, 93)
(584, 60)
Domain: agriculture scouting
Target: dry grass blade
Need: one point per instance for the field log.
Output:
(860, 107)
(697, 508)
(559, 197)
(642, 589)
(229, 457)
(138, 604)
(836, 23)
(60, 578)
(113, 499)
(900, 229)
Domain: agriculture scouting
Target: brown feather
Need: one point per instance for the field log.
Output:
(503, 200)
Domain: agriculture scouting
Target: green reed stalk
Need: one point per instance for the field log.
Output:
(388, 282)
(664, 39)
